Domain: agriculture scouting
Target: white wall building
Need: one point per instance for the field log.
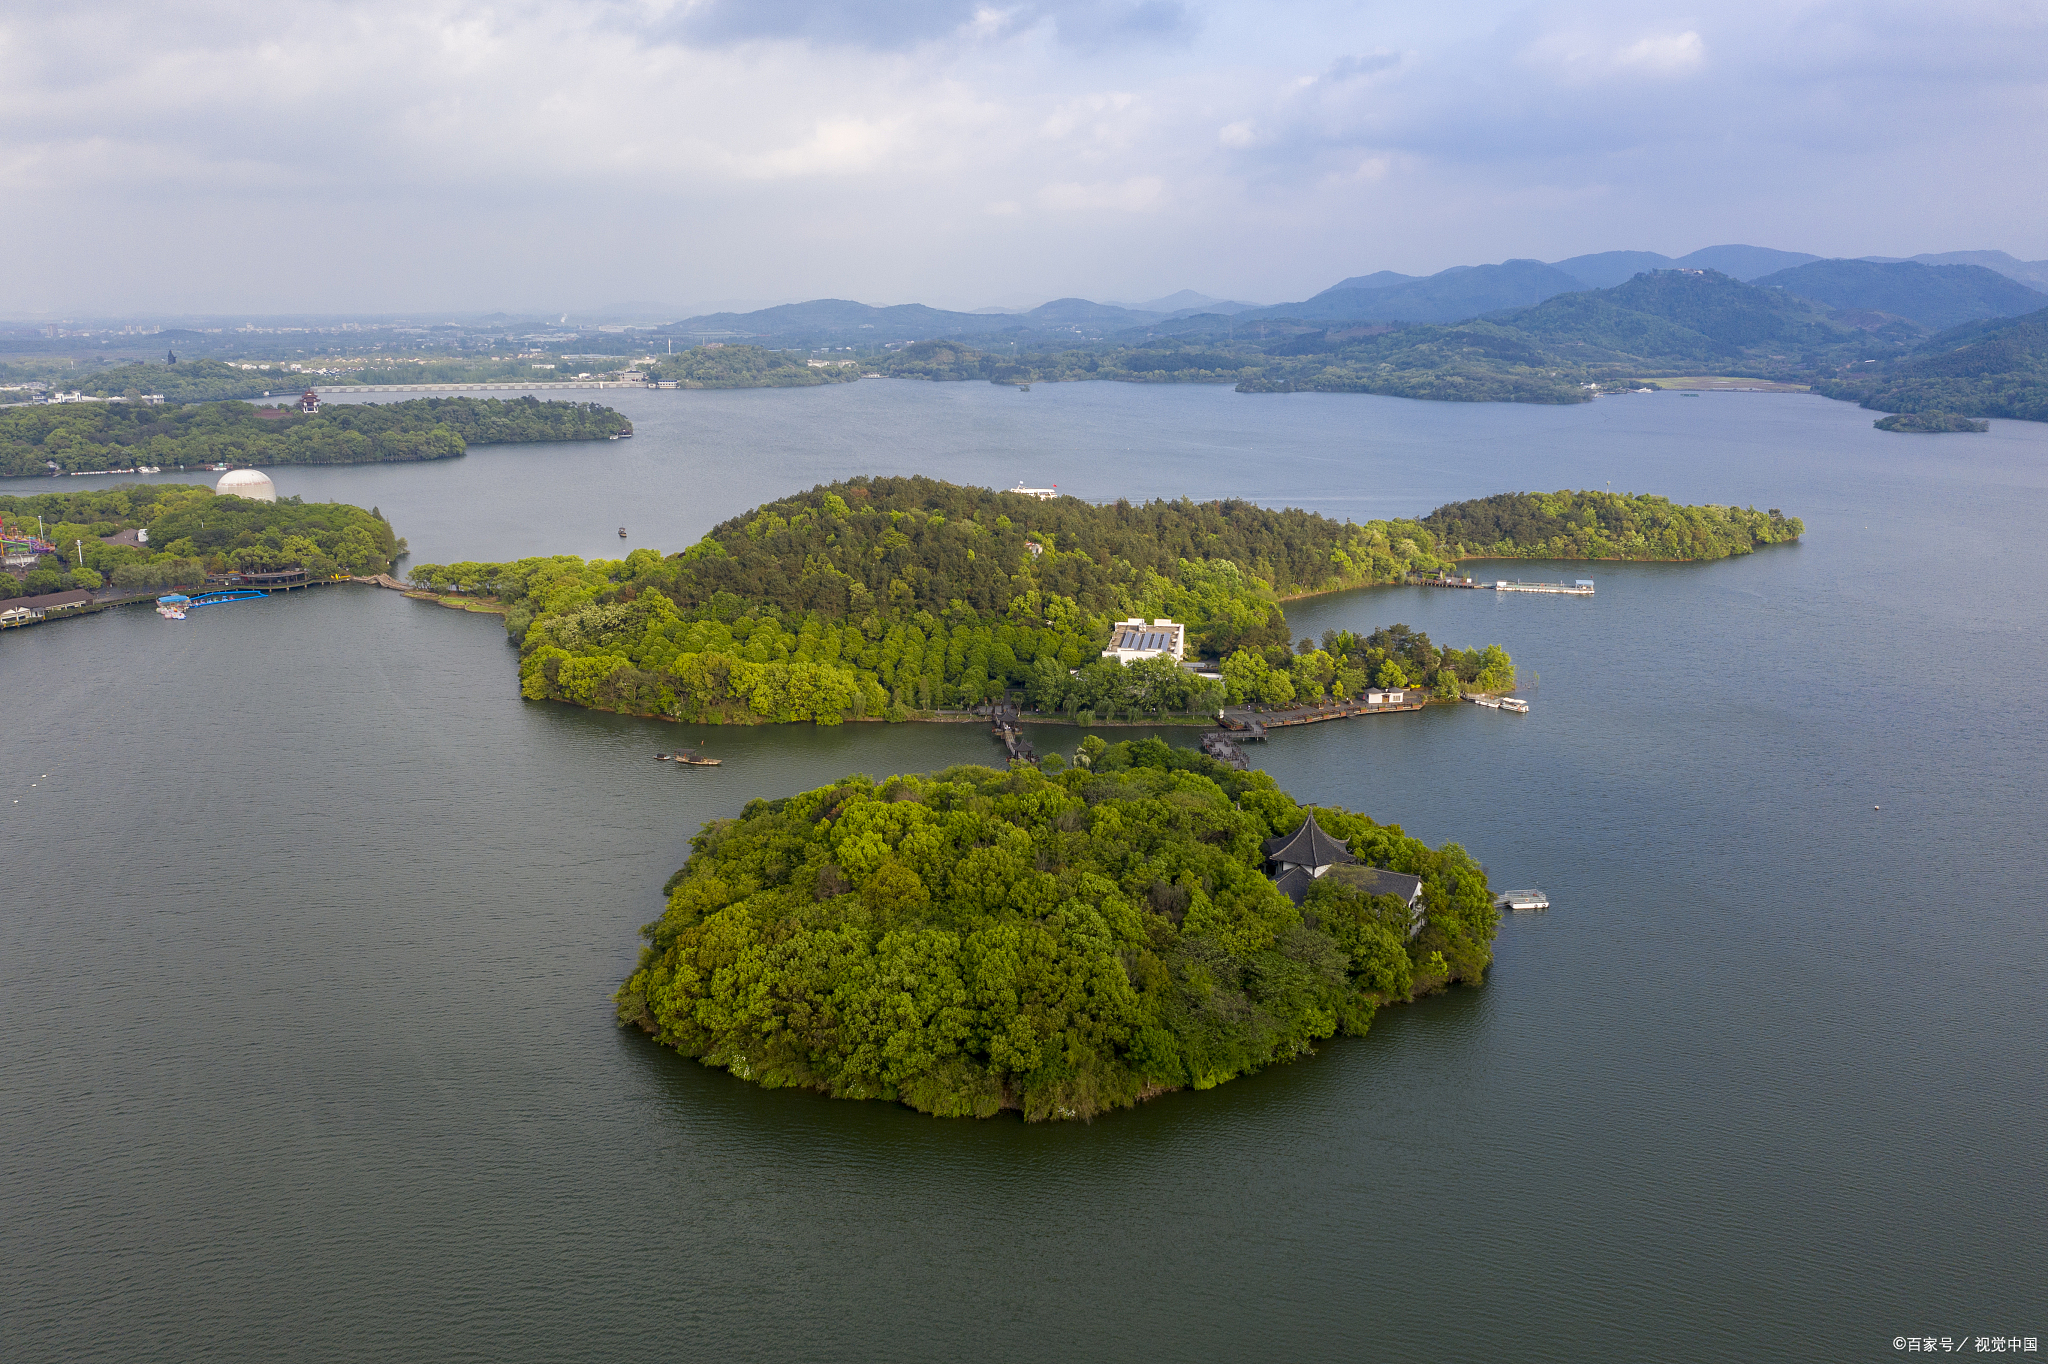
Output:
(1042, 494)
(1131, 640)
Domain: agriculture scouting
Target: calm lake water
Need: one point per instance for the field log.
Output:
(309, 926)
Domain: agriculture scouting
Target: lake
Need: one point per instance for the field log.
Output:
(311, 924)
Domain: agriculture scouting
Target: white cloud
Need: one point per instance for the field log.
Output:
(1593, 56)
(1665, 55)
(474, 153)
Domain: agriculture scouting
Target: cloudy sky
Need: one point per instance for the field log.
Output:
(187, 155)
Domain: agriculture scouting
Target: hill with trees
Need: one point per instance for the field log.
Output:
(1983, 369)
(1058, 942)
(1935, 296)
(76, 437)
(192, 532)
(1603, 525)
(719, 365)
(892, 596)
(1561, 350)
(1453, 295)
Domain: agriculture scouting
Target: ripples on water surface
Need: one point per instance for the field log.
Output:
(307, 938)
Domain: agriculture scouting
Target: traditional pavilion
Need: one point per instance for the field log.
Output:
(1297, 860)
(309, 402)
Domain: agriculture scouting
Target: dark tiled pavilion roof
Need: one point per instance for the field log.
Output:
(1307, 846)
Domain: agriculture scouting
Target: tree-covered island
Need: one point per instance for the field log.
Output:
(1061, 942)
(119, 436)
(1603, 525)
(192, 532)
(1930, 423)
(894, 597)
(891, 598)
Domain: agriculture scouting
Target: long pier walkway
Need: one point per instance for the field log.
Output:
(1261, 720)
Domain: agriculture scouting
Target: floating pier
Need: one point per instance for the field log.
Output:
(1580, 587)
(1521, 900)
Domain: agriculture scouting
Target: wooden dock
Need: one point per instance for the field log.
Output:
(1264, 720)
(1006, 729)
(1224, 749)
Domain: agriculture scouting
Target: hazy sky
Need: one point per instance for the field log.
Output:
(464, 154)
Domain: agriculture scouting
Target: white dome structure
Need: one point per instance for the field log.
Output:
(253, 484)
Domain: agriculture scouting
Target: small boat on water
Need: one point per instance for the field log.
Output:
(622, 532)
(1490, 702)
(173, 606)
(688, 759)
(1515, 704)
(1521, 900)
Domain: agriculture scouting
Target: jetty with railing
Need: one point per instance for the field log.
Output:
(1377, 702)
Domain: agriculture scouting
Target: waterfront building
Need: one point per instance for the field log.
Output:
(1042, 494)
(1296, 860)
(1131, 640)
(28, 610)
(1379, 881)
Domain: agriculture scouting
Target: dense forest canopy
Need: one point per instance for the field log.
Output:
(737, 366)
(192, 532)
(1603, 525)
(893, 595)
(119, 436)
(1985, 369)
(1058, 942)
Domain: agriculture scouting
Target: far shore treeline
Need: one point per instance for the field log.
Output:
(118, 436)
(894, 597)
(192, 532)
(1057, 941)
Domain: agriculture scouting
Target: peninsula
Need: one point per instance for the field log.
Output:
(186, 532)
(63, 438)
(1057, 941)
(892, 598)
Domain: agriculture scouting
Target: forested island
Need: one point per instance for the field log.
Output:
(1603, 525)
(78, 437)
(1930, 423)
(719, 365)
(192, 532)
(890, 598)
(1057, 941)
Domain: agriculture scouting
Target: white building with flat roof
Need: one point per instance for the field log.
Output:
(1042, 494)
(1131, 640)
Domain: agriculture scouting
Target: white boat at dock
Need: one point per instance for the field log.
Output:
(1521, 900)
(1515, 704)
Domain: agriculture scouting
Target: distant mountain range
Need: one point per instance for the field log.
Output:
(1931, 292)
